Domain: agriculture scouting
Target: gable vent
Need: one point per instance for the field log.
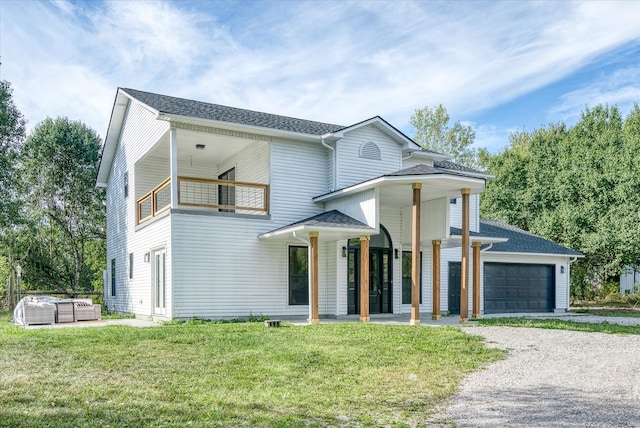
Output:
(370, 151)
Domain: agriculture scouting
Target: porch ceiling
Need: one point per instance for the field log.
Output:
(397, 191)
(217, 147)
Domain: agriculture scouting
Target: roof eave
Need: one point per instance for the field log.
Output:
(278, 133)
(118, 113)
(366, 185)
(305, 228)
(494, 251)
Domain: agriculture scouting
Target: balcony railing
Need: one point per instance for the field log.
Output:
(222, 195)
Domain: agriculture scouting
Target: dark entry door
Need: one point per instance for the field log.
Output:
(454, 287)
(380, 281)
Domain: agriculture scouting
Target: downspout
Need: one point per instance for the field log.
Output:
(335, 173)
(488, 248)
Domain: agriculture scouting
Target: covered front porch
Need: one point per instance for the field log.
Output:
(421, 195)
(203, 169)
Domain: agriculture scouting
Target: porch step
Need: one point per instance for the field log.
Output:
(272, 323)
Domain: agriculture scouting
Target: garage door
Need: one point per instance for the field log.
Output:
(514, 287)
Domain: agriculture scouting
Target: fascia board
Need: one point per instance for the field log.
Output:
(380, 180)
(239, 127)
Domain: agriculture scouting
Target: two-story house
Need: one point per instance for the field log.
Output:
(218, 212)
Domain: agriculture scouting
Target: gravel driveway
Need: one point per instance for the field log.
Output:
(551, 378)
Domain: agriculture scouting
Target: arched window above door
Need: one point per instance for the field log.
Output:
(381, 240)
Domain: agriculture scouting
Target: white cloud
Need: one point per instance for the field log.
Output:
(622, 88)
(339, 62)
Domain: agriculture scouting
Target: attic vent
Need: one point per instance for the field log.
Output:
(370, 151)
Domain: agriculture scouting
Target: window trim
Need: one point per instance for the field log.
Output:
(113, 277)
(290, 300)
(131, 265)
(402, 277)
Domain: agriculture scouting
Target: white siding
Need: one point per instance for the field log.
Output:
(474, 213)
(222, 270)
(140, 132)
(353, 169)
(149, 172)
(327, 261)
(434, 221)
(251, 164)
(298, 173)
(362, 206)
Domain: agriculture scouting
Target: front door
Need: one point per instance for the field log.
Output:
(380, 275)
(159, 282)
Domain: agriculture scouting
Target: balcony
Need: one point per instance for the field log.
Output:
(201, 193)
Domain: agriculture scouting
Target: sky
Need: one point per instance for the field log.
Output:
(498, 66)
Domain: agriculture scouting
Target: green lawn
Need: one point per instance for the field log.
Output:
(204, 375)
(556, 324)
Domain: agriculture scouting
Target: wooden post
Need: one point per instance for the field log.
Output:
(415, 256)
(464, 265)
(475, 312)
(313, 238)
(173, 167)
(11, 302)
(364, 278)
(435, 311)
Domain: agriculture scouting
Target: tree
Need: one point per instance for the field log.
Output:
(64, 215)
(12, 132)
(577, 186)
(433, 132)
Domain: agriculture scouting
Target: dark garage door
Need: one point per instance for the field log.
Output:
(514, 287)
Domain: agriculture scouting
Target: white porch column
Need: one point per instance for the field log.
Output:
(464, 265)
(314, 318)
(173, 158)
(415, 256)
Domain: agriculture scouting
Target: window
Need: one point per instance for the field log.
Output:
(113, 277)
(130, 265)
(126, 184)
(227, 194)
(407, 262)
(453, 201)
(298, 275)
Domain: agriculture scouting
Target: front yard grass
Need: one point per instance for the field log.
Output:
(201, 374)
(556, 324)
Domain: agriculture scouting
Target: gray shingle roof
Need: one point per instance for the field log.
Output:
(456, 231)
(333, 218)
(520, 241)
(202, 110)
(436, 169)
(456, 166)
